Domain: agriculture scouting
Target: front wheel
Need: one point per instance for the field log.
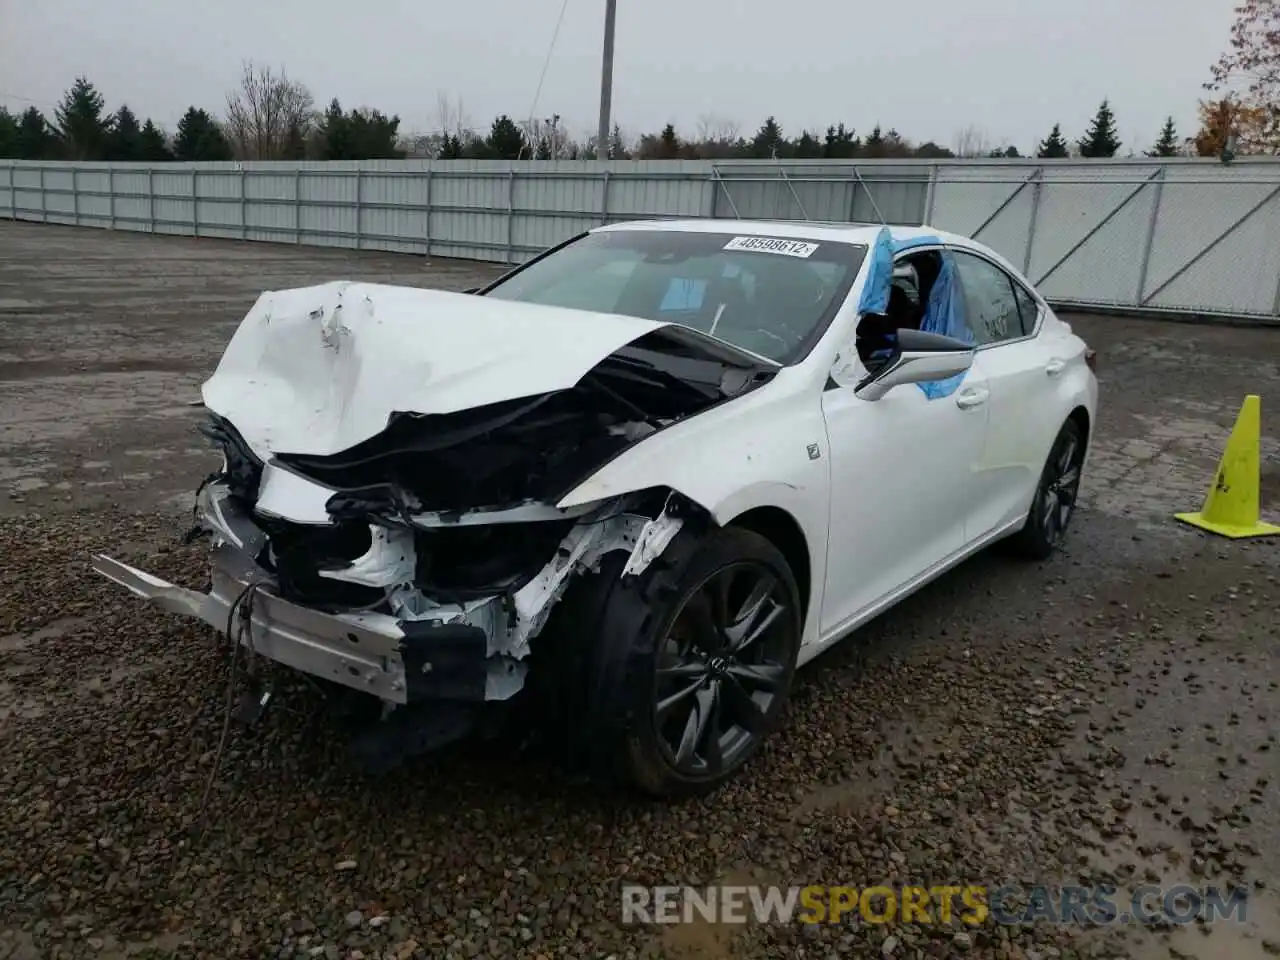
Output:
(1055, 498)
(693, 662)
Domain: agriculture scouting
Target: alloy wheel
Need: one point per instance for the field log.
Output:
(1062, 486)
(723, 668)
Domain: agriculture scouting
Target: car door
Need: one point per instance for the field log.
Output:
(902, 483)
(1017, 366)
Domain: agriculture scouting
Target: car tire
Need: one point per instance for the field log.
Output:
(645, 663)
(1055, 499)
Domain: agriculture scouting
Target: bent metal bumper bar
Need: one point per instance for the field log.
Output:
(361, 651)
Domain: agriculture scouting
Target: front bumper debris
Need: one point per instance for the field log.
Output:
(411, 649)
(361, 651)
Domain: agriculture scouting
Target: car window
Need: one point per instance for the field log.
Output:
(990, 305)
(772, 296)
(1028, 307)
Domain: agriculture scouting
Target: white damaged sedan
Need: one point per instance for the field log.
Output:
(637, 480)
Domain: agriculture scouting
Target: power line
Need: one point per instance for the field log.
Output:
(546, 64)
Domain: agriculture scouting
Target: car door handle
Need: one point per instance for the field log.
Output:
(973, 397)
(1055, 367)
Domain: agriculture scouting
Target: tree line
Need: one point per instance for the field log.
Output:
(270, 116)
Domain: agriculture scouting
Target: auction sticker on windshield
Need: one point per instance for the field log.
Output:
(788, 248)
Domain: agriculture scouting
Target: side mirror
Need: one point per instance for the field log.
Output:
(918, 357)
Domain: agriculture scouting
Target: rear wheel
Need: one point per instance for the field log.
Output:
(1055, 498)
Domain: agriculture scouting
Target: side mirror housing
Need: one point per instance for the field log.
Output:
(917, 357)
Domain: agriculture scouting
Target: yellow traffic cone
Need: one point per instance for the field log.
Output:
(1231, 505)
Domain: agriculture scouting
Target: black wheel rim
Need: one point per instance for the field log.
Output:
(723, 668)
(1061, 487)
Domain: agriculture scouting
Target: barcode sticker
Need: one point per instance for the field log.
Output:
(786, 248)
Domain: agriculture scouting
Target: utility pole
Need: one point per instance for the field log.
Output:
(606, 81)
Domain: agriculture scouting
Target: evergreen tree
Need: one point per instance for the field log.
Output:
(335, 134)
(36, 139)
(376, 135)
(200, 138)
(505, 141)
(451, 147)
(768, 141)
(807, 147)
(668, 143)
(80, 122)
(1053, 147)
(1101, 139)
(874, 146)
(152, 145)
(839, 143)
(124, 142)
(1167, 145)
(8, 135)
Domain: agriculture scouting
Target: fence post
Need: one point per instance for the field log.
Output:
(359, 202)
(1036, 187)
(297, 205)
(1275, 307)
(930, 192)
(111, 195)
(427, 225)
(195, 203)
(511, 214)
(44, 200)
(1151, 236)
(244, 205)
(151, 200)
(604, 199)
(75, 195)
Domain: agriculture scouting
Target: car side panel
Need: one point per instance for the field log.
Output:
(903, 484)
(766, 449)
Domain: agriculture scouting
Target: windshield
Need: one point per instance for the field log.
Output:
(772, 296)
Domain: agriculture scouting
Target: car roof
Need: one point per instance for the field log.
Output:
(831, 231)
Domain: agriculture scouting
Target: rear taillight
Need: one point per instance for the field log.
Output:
(1091, 360)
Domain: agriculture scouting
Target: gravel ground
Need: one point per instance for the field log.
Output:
(1108, 716)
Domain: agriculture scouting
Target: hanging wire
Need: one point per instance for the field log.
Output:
(546, 64)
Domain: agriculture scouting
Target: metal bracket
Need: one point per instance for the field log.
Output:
(1099, 225)
(1026, 182)
(804, 214)
(716, 178)
(857, 175)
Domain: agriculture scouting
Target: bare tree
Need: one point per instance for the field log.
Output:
(716, 129)
(453, 118)
(269, 116)
(972, 142)
(716, 137)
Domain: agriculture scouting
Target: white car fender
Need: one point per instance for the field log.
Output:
(766, 449)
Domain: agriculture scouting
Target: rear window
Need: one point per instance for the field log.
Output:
(773, 296)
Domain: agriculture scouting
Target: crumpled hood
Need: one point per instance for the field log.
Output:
(316, 370)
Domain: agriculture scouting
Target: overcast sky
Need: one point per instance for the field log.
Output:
(929, 68)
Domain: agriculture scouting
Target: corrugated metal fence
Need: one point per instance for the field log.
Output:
(1174, 236)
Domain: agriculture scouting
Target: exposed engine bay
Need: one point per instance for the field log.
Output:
(421, 560)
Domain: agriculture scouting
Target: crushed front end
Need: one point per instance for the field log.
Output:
(419, 564)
